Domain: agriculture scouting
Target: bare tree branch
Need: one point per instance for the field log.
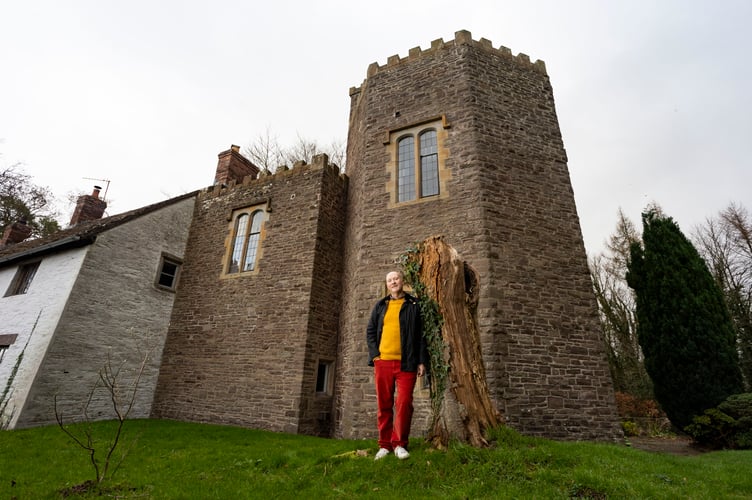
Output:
(725, 241)
(616, 307)
(122, 399)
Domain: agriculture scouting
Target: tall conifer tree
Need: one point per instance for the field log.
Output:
(683, 325)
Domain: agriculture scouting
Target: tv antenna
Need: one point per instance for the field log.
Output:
(104, 197)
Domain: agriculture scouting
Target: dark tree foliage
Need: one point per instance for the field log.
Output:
(21, 200)
(683, 324)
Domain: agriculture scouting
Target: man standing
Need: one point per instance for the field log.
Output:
(397, 351)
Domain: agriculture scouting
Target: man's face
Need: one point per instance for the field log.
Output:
(394, 283)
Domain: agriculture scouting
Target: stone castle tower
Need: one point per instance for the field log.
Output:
(281, 271)
(462, 140)
(253, 334)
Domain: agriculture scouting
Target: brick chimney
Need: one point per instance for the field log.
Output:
(88, 207)
(15, 233)
(232, 166)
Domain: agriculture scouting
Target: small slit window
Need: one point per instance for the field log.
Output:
(324, 378)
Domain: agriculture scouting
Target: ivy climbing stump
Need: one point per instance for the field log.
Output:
(463, 409)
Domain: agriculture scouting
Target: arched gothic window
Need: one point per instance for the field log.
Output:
(246, 238)
(417, 166)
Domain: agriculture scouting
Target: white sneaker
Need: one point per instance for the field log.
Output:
(401, 453)
(381, 453)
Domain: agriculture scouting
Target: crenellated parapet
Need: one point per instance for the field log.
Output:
(282, 173)
(505, 202)
(462, 37)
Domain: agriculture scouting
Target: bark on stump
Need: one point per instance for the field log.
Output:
(466, 410)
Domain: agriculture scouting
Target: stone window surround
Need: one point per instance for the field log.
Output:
(391, 141)
(265, 207)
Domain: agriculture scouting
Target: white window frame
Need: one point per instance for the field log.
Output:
(326, 388)
(168, 259)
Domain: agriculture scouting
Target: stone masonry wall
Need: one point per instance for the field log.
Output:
(244, 350)
(113, 312)
(508, 209)
(543, 345)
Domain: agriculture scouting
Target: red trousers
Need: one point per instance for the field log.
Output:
(394, 417)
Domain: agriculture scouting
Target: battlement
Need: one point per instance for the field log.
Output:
(301, 167)
(462, 37)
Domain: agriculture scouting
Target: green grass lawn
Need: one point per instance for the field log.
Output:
(165, 459)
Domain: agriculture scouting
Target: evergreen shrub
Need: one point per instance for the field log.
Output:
(727, 426)
(683, 324)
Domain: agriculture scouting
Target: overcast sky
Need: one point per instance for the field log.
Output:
(653, 97)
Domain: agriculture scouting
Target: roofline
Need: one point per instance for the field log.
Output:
(89, 235)
(74, 241)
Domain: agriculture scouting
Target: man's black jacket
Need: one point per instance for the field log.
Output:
(413, 344)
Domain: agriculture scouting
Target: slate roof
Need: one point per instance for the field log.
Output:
(84, 233)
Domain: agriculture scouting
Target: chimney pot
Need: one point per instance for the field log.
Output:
(15, 233)
(233, 166)
(88, 207)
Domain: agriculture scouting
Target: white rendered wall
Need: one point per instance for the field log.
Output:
(33, 316)
(116, 314)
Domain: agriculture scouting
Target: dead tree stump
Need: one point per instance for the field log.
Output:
(466, 410)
